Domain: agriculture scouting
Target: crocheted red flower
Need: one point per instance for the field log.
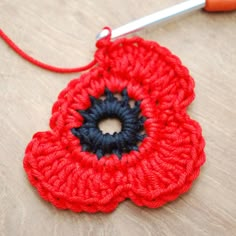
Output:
(152, 160)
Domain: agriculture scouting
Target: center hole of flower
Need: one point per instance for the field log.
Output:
(110, 125)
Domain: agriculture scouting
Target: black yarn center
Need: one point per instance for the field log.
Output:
(92, 138)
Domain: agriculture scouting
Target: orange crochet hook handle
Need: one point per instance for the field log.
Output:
(220, 5)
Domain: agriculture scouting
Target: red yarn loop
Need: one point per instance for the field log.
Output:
(105, 40)
(163, 165)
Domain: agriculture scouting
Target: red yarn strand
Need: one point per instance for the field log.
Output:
(38, 63)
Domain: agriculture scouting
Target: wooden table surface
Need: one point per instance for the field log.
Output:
(63, 33)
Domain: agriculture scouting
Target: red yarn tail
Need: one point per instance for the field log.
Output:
(39, 63)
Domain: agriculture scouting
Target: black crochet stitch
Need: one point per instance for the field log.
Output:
(92, 138)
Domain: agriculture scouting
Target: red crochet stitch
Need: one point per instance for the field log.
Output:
(168, 159)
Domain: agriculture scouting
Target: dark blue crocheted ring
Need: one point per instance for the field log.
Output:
(94, 140)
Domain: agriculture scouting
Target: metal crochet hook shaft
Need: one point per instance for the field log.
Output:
(169, 13)
(155, 18)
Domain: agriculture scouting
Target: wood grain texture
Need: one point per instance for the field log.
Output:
(62, 33)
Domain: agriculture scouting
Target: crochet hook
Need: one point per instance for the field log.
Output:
(169, 13)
